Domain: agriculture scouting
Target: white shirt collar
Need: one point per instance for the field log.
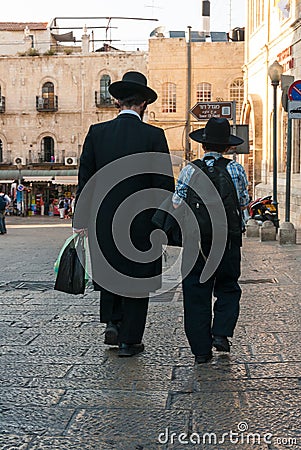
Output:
(129, 111)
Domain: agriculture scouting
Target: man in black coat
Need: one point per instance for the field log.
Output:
(125, 171)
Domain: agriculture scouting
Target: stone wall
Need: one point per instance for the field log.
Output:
(75, 79)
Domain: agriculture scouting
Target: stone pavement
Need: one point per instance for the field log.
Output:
(62, 388)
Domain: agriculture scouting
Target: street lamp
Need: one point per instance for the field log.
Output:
(275, 71)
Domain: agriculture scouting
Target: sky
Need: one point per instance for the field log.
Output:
(172, 14)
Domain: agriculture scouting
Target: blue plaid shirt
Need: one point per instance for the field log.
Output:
(236, 171)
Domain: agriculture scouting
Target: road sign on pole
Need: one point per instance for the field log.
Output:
(294, 109)
(207, 110)
(294, 91)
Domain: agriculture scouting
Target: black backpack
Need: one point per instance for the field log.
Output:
(2, 203)
(222, 180)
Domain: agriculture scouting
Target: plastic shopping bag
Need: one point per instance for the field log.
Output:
(70, 266)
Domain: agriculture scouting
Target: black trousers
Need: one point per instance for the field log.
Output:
(200, 321)
(129, 312)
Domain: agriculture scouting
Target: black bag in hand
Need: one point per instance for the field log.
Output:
(71, 273)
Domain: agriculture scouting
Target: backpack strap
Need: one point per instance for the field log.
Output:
(199, 163)
(220, 162)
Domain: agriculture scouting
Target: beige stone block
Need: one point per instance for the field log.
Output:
(267, 231)
(252, 228)
(287, 233)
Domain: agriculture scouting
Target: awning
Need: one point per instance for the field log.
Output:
(65, 180)
(40, 178)
(66, 37)
(7, 181)
(36, 175)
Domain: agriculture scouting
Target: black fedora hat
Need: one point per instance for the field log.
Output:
(216, 131)
(132, 83)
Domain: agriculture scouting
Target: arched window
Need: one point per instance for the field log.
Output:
(1, 151)
(237, 93)
(47, 149)
(48, 95)
(105, 82)
(169, 98)
(203, 92)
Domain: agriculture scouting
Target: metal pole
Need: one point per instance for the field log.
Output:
(234, 125)
(288, 171)
(275, 201)
(187, 141)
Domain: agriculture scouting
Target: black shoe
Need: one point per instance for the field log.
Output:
(111, 334)
(221, 343)
(200, 359)
(130, 349)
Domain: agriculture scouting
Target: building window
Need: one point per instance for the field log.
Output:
(256, 14)
(284, 8)
(105, 82)
(48, 96)
(203, 93)
(47, 149)
(1, 151)
(237, 94)
(169, 98)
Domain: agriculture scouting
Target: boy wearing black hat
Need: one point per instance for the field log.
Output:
(202, 330)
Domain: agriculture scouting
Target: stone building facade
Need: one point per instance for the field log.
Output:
(51, 95)
(50, 101)
(273, 31)
(215, 75)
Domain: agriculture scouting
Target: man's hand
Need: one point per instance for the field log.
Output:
(81, 231)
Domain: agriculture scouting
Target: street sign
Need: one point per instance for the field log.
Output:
(207, 110)
(20, 187)
(294, 109)
(241, 131)
(294, 91)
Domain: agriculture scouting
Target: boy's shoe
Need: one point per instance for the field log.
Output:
(130, 349)
(221, 343)
(201, 359)
(111, 334)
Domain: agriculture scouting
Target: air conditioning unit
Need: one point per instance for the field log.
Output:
(19, 160)
(70, 161)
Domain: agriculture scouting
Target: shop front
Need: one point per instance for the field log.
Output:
(38, 194)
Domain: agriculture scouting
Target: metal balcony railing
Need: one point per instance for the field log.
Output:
(103, 102)
(44, 104)
(2, 104)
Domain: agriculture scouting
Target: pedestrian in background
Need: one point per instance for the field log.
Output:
(72, 205)
(4, 202)
(127, 134)
(67, 207)
(61, 207)
(202, 330)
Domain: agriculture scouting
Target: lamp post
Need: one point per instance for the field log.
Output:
(275, 71)
(187, 128)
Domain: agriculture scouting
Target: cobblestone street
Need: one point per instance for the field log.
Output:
(62, 388)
